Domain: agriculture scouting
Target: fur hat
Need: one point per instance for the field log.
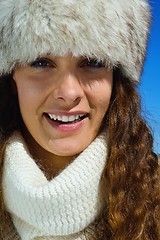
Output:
(114, 31)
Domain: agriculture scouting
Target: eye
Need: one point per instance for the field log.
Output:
(93, 63)
(42, 63)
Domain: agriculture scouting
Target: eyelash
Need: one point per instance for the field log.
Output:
(93, 63)
(41, 63)
(88, 63)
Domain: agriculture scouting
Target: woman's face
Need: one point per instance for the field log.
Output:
(63, 101)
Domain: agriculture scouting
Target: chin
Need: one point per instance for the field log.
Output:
(68, 149)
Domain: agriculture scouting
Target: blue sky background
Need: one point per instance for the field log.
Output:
(149, 87)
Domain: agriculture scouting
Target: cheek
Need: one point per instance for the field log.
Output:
(29, 94)
(28, 104)
(26, 96)
(101, 95)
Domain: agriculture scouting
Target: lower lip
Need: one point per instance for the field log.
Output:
(67, 127)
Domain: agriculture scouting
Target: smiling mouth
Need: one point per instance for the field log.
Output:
(66, 119)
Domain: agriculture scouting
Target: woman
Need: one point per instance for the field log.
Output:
(76, 155)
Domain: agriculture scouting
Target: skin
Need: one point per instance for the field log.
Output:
(61, 85)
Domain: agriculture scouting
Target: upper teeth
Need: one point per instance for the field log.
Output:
(65, 118)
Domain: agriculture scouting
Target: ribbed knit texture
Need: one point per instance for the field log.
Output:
(58, 209)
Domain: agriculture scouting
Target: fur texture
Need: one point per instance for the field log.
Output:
(115, 31)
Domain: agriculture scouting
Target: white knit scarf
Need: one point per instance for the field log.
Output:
(57, 209)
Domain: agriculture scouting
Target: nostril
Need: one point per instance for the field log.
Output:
(60, 98)
(70, 100)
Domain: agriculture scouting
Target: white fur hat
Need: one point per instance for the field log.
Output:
(114, 31)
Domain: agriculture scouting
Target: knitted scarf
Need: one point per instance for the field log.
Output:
(57, 209)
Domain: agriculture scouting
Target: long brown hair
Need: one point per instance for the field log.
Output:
(131, 174)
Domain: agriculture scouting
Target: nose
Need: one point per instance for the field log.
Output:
(69, 88)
